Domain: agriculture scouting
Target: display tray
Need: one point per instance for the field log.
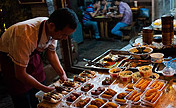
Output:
(111, 58)
(134, 64)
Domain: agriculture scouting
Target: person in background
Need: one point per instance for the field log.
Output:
(105, 6)
(125, 14)
(92, 11)
(20, 44)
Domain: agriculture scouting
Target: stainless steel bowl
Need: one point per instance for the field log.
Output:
(140, 52)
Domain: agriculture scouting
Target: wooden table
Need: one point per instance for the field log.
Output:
(103, 21)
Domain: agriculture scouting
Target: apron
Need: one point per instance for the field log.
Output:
(34, 68)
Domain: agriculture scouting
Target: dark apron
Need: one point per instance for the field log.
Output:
(34, 68)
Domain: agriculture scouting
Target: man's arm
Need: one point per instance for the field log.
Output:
(55, 63)
(25, 78)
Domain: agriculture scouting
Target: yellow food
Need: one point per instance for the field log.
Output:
(92, 106)
(154, 84)
(136, 95)
(156, 96)
(129, 90)
(149, 92)
(160, 86)
(137, 98)
(140, 82)
(120, 100)
(111, 104)
(106, 96)
(100, 100)
(130, 86)
(132, 94)
(151, 96)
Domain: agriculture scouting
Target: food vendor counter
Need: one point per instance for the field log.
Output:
(101, 80)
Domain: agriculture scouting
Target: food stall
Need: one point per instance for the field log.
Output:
(117, 78)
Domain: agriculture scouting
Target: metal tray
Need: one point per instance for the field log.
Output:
(121, 54)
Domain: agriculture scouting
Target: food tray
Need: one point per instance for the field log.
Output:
(68, 103)
(144, 87)
(118, 106)
(112, 88)
(95, 99)
(132, 94)
(115, 97)
(94, 89)
(122, 55)
(162, 87)
(145, 102)
(133, 63)
(83, 97)
(85, 92)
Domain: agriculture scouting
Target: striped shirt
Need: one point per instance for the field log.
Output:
(87, 16)
(126, 11)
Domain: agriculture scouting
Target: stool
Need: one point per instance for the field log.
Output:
(87, 32)
(128, 31)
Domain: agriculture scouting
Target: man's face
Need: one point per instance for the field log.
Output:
(62, 34)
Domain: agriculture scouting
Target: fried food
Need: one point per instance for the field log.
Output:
(136, 95)
(151, 96)
(140, 82)
(156, 96)
(134, 92)
(92, 106)
(154, 83)
(160, 85)
(121, 95)
(110, 105)
(144, 85)
(120, 100)
(129, 90)
(137, 98)
(106, 96)
(149, 92)
(130, 86)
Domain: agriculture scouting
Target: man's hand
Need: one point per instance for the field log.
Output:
(63, 77)
(48, 89)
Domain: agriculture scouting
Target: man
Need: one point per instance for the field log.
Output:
(19, 46)
(92, 11)
(125, 14)
(105, 6)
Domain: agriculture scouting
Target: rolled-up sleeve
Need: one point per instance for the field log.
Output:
(53, 45)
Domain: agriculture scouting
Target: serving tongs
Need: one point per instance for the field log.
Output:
(90, 63)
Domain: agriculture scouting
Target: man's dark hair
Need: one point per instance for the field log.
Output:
(64, 17)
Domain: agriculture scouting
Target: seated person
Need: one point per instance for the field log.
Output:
(104, 6)
(125, 13)
(92, 11)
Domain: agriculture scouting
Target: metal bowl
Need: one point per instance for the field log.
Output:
(140, 52)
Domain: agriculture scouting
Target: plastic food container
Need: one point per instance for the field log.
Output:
(145, 71)
(96, 102)
(96, 91)
(109, 103)
(114, 72)
(119, 98)
(154, 99)
(84, 100)
(136, 76)
(134, 97)
(109, 96)
(125, 76)
(157, 57)
(158, 84)
(142, 83)
(67, 102)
